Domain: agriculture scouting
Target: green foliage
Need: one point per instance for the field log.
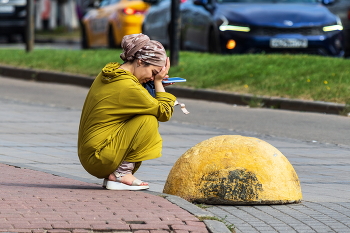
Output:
(202, 206)
(254, 102)
(229, 226)
(85, 62)
(282, 75)
(291, 76)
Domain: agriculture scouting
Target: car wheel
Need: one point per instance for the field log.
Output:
(111, 39)
(84, 43)
(213, 42)
(24, 37)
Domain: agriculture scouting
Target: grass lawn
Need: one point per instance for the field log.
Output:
(292, 76)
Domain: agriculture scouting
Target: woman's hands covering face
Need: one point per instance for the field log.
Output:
(163, 73)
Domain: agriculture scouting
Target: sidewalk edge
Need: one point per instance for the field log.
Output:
(214, 226)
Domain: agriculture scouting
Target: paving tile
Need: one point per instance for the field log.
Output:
(189, 228)
(157, 226)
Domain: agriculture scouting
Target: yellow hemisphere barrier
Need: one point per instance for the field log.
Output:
(233, 169)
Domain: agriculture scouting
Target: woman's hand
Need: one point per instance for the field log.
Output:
(166, 79)
(163, 73)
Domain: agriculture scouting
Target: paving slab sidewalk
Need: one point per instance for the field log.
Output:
(33, 201)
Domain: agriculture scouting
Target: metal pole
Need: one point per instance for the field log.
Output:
(175, 24)
(30, 26)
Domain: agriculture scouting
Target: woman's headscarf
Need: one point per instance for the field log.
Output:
(141, 47)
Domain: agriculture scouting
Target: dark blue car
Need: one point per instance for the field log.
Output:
(242, 26)
(13, 19)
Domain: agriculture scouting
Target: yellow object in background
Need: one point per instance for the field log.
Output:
(233, 169)
(107, 25)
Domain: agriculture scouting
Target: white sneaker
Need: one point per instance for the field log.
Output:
(113, 185)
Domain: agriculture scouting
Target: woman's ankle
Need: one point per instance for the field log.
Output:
(112, 177)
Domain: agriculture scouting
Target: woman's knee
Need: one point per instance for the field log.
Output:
(146, 119)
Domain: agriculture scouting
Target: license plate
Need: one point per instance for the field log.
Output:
(288, 43)
(7, 9)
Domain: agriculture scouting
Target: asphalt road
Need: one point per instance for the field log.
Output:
(303, 126)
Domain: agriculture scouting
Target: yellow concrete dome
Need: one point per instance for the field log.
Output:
(232, 169)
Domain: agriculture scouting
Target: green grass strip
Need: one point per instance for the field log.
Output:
(292, 76)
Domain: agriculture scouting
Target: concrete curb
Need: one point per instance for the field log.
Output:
(214, 226)
(202, 94)
(266, 102)
(193, 209)
(45, 76)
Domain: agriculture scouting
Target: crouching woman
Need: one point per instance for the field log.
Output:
(119, 122)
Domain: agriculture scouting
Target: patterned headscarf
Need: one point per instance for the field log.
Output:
(141, 47)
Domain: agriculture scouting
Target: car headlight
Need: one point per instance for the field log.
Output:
(336, 27)
(234, 28)
(225, 26)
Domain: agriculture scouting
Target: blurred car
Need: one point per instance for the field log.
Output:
(241, 26)
(341, 8)
(107, 24)
(13, 18)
